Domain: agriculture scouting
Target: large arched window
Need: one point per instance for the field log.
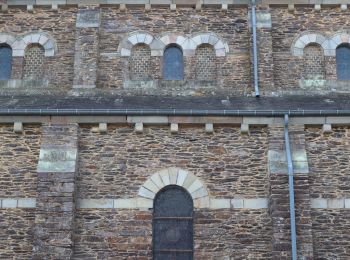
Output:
(5, 62)
(314, 68)
(140, 62)
(205, 62)
(343, 62)
(34, 62)
(173, 224)
(173, 65)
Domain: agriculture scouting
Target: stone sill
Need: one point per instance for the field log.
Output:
(23, 83)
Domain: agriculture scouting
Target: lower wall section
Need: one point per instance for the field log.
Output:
(331, 236)
(16, 233)
(218, 234)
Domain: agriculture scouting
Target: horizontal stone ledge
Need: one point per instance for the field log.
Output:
(145, 203)
(335, 203)
(17, 203)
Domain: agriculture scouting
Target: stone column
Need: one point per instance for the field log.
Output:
(86, 47)
(57, 169)
(279, 194)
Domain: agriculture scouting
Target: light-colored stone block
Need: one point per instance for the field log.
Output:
(190, 178)
(198, 6)
(30, 8)
(88, 19)
(336, 203)
(148, 7)
(164, 175)
(259, 203)
(174, 128)
(144, 203)
(153, 120)
(347, 203)
(145, 193)
(157, 180)
(319, 203)
(173, 7)
(173, 175)
(4, 8)
(196, 185)
(122, 7)
(245, 129)
(181, 176)
(209, 128)
(102, 128)
(149, 184)
(9, 203)
(95, 203)
(224, 7)
(344, 7)
(220, 203)
(26, 203)
(202, 192)
(291, 7)
(125, 203)
(237, 203)
(327, 128)
(54, 7)
(201, 203)
(317, 8)
(139, 128)
(18, 127)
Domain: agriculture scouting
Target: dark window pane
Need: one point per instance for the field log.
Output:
(173, 67)
(343, 63)
(5, 62)
(173, 224)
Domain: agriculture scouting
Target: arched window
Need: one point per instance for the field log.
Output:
(343, 62)
(173, 65)
(313, 62)
(173, 224)
(205, 62)
(34, 62)
(5, 62)
(140, 62)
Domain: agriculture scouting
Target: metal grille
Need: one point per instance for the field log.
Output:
(173, 66)
(5, 62)
(173, 224)
(343, 62)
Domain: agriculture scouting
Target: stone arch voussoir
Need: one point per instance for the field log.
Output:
(336, 40)
(220, 46)
(187, 45)
(175, 176)
(306, 39)
(43, 39)
(7, 38)
(133, 39)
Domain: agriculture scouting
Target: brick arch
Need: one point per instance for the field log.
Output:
(40, 38)
(174, 176)
(336, 40)
(8, 39)
(220, 46)
(308, 39)
(133, 39)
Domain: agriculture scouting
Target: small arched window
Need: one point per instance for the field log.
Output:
(34, 62)
(140, 62)
(173, 224)
(173, 65)
(5, 62)
(205, 62)
(314, 68)
(343, 62)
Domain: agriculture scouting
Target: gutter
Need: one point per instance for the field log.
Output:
(169, 112)
(255, 50)
(291, 189)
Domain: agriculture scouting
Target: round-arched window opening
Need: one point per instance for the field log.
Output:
(5, 62)
(173, 224)
(173, 65)
(343, 62)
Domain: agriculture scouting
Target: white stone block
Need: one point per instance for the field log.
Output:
(213, 40)
(144, 203)
(148, 39)
(291, 7)
(174, 128)
(181, 176)
(173, 175)
(164, 175)
(26, 203)
(95, 203)
(202, 192)
(102, 128)
(319, 203)
(198, 6)
(327, 128)
(173, 7)
(244, 129)
(201, 203)
(145, 193)
(4, 7)
(30, 8)
(220, 52)
(344, 7)
(139, 128)
(209, 128)
(54, 7)
(180, 40)
(125, 52)
(122, 7)
(157, 180)
(43, 40)
(196, 185)
(189, 180)
(9, 203)
(125, 203)
(148, 7)
(317, 7)
(259, 203)
(141, 37)
(237, 203)
(197, 39)
(18, 127)
(347, 203)
(220, 203)
(49, 52)
(224, 7)
(150, 185)
(35, 37)
(336, 203)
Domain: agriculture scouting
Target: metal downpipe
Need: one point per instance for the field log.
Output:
(291, 188)
(255, 51)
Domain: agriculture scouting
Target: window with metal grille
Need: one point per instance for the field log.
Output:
(173, 224)
(5, 62)
(34, 62)
(205, 62)
(173, 65)
(314, 68)
(140, 62)
(343, 62)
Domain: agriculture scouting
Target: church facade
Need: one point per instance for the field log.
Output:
(171, 129)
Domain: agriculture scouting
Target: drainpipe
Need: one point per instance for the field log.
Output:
(255, 50)
(291, 189)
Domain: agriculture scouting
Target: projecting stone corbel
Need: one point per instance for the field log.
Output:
(209, 128)
(327, 128)
(245, 129)
(291, 8)
(102, 128)
(174, 128)
(344, 7)
(139, 128)
(30, 8)
(18, 127)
